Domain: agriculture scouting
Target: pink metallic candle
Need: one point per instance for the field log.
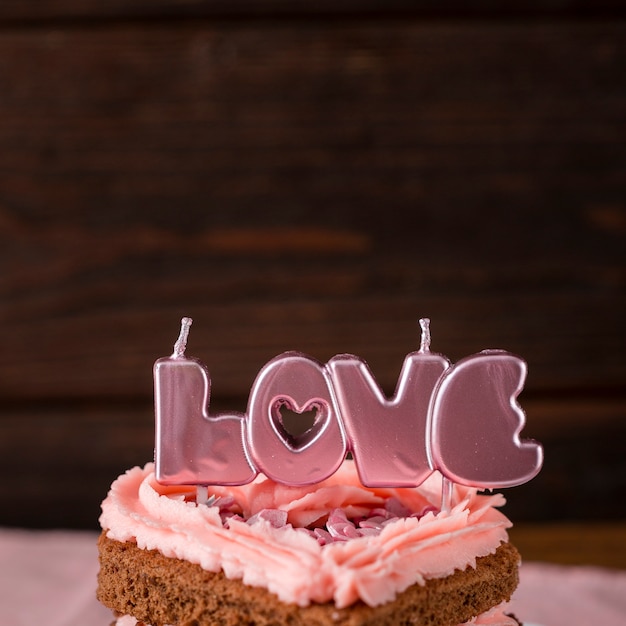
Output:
(192, 447)
(388, 435)
(462, 420)
(475, 421)
(299, 383)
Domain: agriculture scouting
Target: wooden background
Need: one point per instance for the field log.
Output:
(312, 176)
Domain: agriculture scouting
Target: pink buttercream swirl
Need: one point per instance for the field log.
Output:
(335, 541)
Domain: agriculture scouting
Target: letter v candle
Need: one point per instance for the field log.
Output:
(388, 435)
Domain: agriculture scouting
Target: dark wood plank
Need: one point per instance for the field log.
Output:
(315, 188)
(584, 469)
(57, 462)
(29, 11)
(111, 353)
(599, 544)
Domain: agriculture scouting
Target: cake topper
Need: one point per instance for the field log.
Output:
(462, 420)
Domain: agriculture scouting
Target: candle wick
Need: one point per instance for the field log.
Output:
(181, 342)
(425, 340)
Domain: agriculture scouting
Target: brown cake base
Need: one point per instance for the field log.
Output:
(159, 590)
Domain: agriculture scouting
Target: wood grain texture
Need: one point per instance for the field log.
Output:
(29, 11)
(291, 186)
(601, 544)
(310, 184)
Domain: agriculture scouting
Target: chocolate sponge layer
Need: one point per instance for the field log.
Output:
(159, 590)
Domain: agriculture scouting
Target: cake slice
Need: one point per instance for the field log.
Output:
(335, 553)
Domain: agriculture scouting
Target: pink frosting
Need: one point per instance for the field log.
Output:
(493, 617)
(255, 533)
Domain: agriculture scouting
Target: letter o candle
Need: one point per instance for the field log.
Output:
(462, 420)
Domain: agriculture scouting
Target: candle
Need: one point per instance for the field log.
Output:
(191, 446)
(388, 436)
(475, 421)
(300, 383)
(462, 420)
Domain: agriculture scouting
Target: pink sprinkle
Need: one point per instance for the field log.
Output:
(338, 526)
(425, 511)
(375, 521)
(396, 509)
(323, 536)
(275, 517)
(224, 502)
(228, 516)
